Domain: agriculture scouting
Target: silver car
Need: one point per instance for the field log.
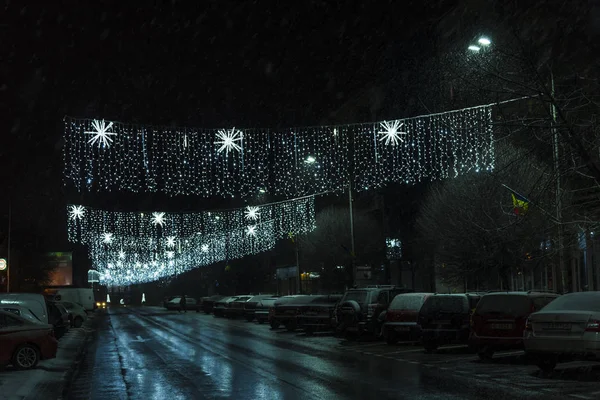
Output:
(566, 329)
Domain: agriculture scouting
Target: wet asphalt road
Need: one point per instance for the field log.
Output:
(149, 353)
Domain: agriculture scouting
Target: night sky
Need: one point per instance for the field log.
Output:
(209, 64)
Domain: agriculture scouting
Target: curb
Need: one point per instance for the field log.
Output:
(79, 357)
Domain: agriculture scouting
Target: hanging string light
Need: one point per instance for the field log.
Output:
(288, 162)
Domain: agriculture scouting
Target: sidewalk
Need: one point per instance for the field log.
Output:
(48, 379)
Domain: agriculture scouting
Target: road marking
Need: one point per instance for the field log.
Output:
(406, 351)
(580, 396)
(460, 346)
(509, 353)
(139, 339)
(482, 375)
(428, 365)
(596, 393)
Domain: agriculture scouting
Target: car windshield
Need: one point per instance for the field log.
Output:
(516, 305)
(447, 304)
(408, 302)
(359, 296)
(575, 302)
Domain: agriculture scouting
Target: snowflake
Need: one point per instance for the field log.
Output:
(204, 248)
(251, 230)
(101, 133)
(158, 218)
(170, 254)
(76, 212)
(252, 213)
(171, 241)
(108, 237)
(121, 254)
(390, 133)
(228, 139)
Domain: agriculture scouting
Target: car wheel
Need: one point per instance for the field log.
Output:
(26, 357)
(260, 321)
(274, 324)
(309, 330)
(249, 319)
(546, 364)
(429, 346)
(485, 353)
(391, 338)
(291, 326)
(78, 322)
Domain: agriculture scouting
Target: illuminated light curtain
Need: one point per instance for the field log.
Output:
(110, 156)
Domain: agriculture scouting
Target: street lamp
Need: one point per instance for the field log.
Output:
(484, 41)
(474, 48)
(310, 160)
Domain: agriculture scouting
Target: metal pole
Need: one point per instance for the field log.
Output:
(8, 266)
(555, 153)
(298, 266)
(352, 249)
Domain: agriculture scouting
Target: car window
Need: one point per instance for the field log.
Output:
(514, 305)
(382, 298)
(15, 311)
(359, 296)
(408, 302)
(7, 321)
(447, 304)
(589, 301)
(541, 302)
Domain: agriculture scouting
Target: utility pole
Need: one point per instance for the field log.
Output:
(352, 249)
(8, 265)
(556, 154)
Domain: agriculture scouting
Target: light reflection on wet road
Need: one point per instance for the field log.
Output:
(147, 353)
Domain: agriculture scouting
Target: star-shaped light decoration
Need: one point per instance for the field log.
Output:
(204, 248)
(252, 213)
(158, 218)
(107, 237)
(251, 230)
(101, 134)
(76, 212)
(170, 254)
(228, 139)
(121, 254)
(391, 133)
(171, 241)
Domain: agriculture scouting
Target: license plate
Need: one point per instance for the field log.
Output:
(558, 326)
(402, 329)
(502, 326)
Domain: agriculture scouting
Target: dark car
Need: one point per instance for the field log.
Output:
(167, 299)
(58, 316)
(234, 309)
(401, 319)
(499, 320)
(361, 309)
(190, 304)
(445, 319)
(263, 309)
(318, 314)
(208, 303)
(284, 311)
(220, 305)
(250, 305)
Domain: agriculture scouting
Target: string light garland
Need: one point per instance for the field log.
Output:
(133, 247)
(287, 162)
(393, 248)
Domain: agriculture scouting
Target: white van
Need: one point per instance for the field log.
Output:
(82, 296)
(33, 303)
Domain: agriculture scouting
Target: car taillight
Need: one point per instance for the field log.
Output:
(528, 326)
(272, 311)
(593, 325)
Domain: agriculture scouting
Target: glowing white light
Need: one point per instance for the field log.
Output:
(228, 139)
(101, 133)
(205, 248)
(252, 213)
(170, 254)
(310, 160)
(335, 132)
(121, 254)
(76, 212)
(171, 241)
(158, 218)
(474, 48)
(108, 237)
(484, 41)
(390, 133)
(251, 230)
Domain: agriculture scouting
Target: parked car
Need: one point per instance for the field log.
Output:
(23, 342)
(318, 314)
(401, 319)
(167, 299)
(21, 311)
(446, 318)
(251, 304)
(360, 310)
(235, 308)
(262, 311)
(285, 310)
(498, 321)
(190, 304)
(81, 296)
(219, 307)
(77, 312)
(209, 302)
(36, 303)
(566, 329)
